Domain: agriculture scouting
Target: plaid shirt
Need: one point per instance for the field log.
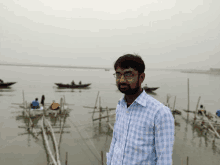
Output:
(143, 133)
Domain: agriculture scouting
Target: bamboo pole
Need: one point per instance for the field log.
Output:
(102, 156)
(111, 126)
(103, 117)
(47, 144)
(100, 110)
(174, 107)
(188, 99)
(107, 114)
(23, 96)
(55, 142)
(197, 107)
(66, 158)
(95, 104)
(187, 160)
(61, 130)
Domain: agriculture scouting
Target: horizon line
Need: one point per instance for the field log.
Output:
(79, 67)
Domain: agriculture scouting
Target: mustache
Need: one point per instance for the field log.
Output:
(122, 84)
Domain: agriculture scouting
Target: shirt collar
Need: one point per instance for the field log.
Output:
(141, 99)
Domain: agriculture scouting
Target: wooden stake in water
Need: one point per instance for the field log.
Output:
(102, 156)
(188, 100)
(23, 96)
(100, 111)
(174, 107)
(187, 160)
(95, 105)
(107, 114)
(66, 157)
(197, 107)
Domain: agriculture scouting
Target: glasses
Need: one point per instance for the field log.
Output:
(127, 75)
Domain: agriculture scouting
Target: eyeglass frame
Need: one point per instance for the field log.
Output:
(125, 76)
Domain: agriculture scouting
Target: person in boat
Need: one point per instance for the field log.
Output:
(218, 113)
(144, 128)
(35, 104)
(54, 106)
(42, 100)
(73, 83)
(80, 83)
(1, 81)
(202, 109)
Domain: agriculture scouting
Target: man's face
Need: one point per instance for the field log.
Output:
(128, 82)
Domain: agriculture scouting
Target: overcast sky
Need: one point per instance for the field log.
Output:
(180, 34)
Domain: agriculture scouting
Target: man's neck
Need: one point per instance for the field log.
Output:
(130, 98)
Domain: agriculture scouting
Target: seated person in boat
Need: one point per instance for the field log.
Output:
(80, 83)
(218, 113)
(54, 106)
(1, 81)
(35, 104)
(202, 109)
(73, 83)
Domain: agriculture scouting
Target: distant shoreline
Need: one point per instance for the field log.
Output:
(55, 66)
(107, 69)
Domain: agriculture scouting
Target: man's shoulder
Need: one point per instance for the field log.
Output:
(156, 107)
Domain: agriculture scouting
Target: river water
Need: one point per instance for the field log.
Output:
(85, 140)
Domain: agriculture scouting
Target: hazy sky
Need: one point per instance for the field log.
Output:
(177, 34)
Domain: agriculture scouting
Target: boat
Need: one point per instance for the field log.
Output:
(6, 84)
(148, 89)
(60, 85)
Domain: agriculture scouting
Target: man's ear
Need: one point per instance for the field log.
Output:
(142, 77)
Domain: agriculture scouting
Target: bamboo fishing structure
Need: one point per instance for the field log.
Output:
(46, 128)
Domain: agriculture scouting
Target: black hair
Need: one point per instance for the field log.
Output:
(201, 106)
(36, 99)
(130, 61)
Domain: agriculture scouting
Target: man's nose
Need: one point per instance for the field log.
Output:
(122, 79)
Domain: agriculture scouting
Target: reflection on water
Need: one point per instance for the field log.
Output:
(58, 89)
(8, 89)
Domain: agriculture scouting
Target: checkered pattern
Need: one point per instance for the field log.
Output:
(143, 133)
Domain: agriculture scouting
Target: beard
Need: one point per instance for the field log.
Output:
(127, 90)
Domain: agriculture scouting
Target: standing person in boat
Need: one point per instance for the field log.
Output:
(1, 81)
(80, 83)
(35, 104)
(144, 128)
(42, 100)
(73, 83)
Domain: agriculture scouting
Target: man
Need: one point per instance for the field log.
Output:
(144, 128)
(202, 109)
(35, 104)
(73, 83)
(42, 100)
(1, 81)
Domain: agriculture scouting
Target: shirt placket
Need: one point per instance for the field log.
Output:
(127, 115)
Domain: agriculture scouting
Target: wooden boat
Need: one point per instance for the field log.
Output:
(147, 89)
(6, 84)
(60, 85)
